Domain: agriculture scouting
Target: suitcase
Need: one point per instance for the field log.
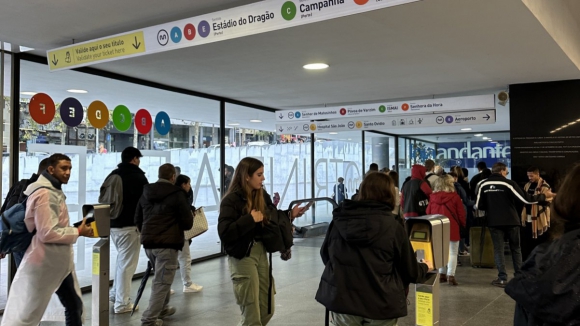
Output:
(481, 247)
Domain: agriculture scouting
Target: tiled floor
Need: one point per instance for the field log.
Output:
(474, 302)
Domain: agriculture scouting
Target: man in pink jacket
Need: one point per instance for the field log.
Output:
(48, 264)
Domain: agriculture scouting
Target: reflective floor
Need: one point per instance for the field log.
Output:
(473, 302)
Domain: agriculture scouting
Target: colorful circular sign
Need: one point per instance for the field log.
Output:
(122, 118)
(162, 123)
(71, 112)
(288, 10)
(143, 121)
(203, 28)
(176, 34)
(42, 109)
(189, 32)
(405, 107)
(361, 2)
(98, 114)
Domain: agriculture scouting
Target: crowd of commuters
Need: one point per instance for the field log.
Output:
(366, 240)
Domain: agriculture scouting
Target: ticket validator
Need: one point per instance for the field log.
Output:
(98, 215)
(429, 236)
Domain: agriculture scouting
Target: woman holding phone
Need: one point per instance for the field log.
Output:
(244, 212)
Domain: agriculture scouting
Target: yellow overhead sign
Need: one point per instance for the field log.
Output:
(96, 51)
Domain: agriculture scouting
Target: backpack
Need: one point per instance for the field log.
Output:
(15, 195)
(111, 193)
(14, 236)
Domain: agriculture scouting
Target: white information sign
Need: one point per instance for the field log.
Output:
(384, 123)
(391, 108)
(255, 18)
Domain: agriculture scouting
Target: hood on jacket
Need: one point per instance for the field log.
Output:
(160, 190)
(42, 182)
(358, 222)
(418, 172)
(441, 197)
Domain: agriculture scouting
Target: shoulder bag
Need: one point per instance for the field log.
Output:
(199, 224)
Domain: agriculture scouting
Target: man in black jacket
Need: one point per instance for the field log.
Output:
(503, 200)
(124, 234)
(162, 215)
(476, 179)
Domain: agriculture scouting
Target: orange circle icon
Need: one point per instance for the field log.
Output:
(98, 114)
(405, 107)
(313, 127)
(359, 124)
(361, 2)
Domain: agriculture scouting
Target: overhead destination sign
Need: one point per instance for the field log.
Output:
(389, 122)
(256, 18)
(391, 108)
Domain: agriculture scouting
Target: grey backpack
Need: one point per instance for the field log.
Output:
(112, 194)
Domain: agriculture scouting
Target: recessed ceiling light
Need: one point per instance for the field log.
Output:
(571, 123)
(564, 126)
(315, 66)
(578, 120)
(491, 140)
(333, 133)
(553, 131)
(233, 124)
(478, 135)
(28, 93)
(77, 91)
(255, 120)
(558, 128)
(485, 138)
(465, 129)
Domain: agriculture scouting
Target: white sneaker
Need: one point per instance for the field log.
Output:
(193, 288)
(128, 308)
(172, 292)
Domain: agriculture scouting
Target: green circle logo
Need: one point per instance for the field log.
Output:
(122, 118)
(382, 109)
(288, 10)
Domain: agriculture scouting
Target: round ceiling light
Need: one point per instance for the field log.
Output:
(77, 91)
(478, 135)
(255, 120)
(465, 129)
(315, 66)
(28, 93)
(233, 124)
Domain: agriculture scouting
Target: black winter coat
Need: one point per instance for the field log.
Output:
(547, 289)
(503, 201)
(236, 227)
(369, 262)
(133, 179)
(162, 215)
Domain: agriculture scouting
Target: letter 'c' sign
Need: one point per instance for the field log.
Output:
(42, 109)
(98, 114)
(143, 121)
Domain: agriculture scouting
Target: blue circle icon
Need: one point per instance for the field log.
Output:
(176, 34)
(449, 119)
(297, 115)
(162, 123)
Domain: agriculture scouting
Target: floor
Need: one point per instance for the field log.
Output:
(474, 302)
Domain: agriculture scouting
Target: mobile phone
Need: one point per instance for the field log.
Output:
(420, 255)
(308, 205)
(89, 221)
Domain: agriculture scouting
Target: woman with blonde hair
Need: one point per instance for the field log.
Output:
(445, 201)
(245, 212)
(369, 261)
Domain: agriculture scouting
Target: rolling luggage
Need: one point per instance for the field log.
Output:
(481, 247)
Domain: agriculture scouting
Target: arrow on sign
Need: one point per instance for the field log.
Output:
(281, 116)
(54, 60)
(487, 117)
(281, 129)
(137, 44)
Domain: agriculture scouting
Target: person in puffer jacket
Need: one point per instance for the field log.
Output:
(369, 261)
(415, 193)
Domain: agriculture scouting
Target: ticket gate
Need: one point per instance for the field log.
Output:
(98, 217)
(429, 236)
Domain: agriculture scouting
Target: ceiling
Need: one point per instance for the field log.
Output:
(432, 48)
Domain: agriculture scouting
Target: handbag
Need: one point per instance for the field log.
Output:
(462, 229)
(199, 224)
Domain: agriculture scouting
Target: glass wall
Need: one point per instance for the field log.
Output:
(189, 143)
(336, 155)
(380, 149)
(5, 104)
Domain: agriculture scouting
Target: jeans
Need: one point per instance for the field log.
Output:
(73, 305)
(18, 257)
(350, 320)
(128, 245)
(452, 264)
(250, 276)
(498, 235)
(164, 262)
(184, 258)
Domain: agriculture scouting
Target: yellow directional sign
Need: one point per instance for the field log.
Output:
(96, 51)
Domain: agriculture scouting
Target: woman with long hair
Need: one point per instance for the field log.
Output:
(369, 261)
(184, 256)
(445, 201)
(546, 288)
(245, 211)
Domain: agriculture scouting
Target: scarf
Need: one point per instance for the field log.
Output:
(540, 214)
